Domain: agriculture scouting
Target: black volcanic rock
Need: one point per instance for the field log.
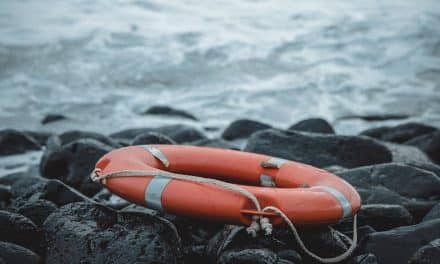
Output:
(16, 142)
(405, 180)
(249, 256)
(399, 244)
(168, 111)
(400, 133)
(382, 216)
(72, 163)
(428, 143)
(18, 229)
(433, 214)
(74, 135)
(427, 254)
(243, 128)
(179, 133)
(11, 253)
(215, 143)
(315, 125)
(37, 210)
(50, 118)
(318, 149)
(152, 138)
(85, 233)
(382, 195)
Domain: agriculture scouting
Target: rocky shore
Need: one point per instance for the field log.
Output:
(54, 213)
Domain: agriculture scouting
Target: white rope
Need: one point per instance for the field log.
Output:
(264, 223)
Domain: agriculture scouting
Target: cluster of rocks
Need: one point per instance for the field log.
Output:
(56, 214)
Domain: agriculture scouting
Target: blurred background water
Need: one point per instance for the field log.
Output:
(101, 63)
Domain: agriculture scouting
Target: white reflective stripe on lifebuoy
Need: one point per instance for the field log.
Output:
(266, 181)
(343, 201)
(153, 192)
(273, 163)
(157, 154)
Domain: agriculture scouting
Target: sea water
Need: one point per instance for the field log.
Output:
(102, 63)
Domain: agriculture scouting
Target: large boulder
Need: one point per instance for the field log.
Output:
(427, 254)
(399, 244)
(18, 229)
(403, 179)
(381, 216)
(37, 210)
(168, 111)
(315, 125)
(16, 142)
(72, 163)
(152, 138)
(243, 128)
(407, 154)
(11, 253)
(399, 133)
(433, 214)
(85, 233)
(215, 143)
(179, 133)
(429, 143)
(74, 135)
(249, 256)
(318, 149)
(382, 195)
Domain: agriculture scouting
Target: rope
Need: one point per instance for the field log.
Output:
(258, 223)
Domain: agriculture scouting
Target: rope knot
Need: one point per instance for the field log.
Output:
(96, 177)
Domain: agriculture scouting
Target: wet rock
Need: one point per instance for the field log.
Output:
(251, 256)
(403, 179)
(318, 149)
(50, 118)
(243, 128)
(428, 143)
(85, 233)
(382, 195)
(37, 210)
(315, 125)
(152, 138)
(407, 154)
(215, 143)
(379, 117)
(5, 195)
(428, 254)
(289, 254)
(18, 229)
(15, 142)
(72, 163)
(131, 133)
(382, 216)
(61, 194)
(181, 133)
(74, 135)
(399, 244)
(433, 214)
(40, 137)
(169, 111)
(11, 253)
(399, 133)
(25, 183)
(364, 259)
(434, 168)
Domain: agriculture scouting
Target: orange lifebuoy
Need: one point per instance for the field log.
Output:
(307, 195)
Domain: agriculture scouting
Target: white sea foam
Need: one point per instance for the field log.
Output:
(103, 62)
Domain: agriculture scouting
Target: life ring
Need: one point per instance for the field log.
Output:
(307, 195)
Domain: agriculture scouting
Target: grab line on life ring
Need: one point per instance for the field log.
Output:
(162, 178)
